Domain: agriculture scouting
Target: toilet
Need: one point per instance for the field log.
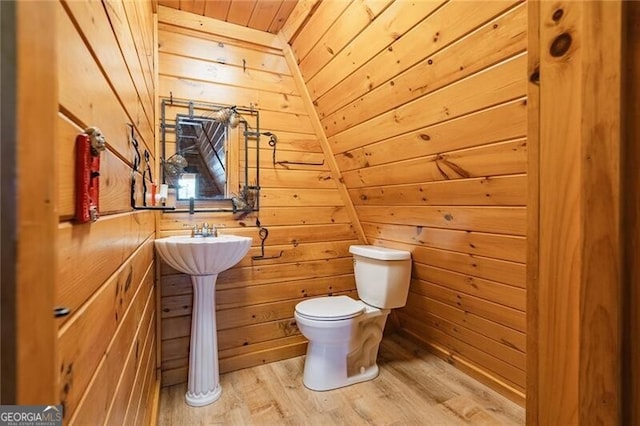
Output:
(344, 334)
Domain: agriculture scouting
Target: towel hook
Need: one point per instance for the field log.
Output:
(273, 141)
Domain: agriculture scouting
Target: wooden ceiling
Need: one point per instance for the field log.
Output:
(264, 15)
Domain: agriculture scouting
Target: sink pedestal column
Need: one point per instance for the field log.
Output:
(204, 375)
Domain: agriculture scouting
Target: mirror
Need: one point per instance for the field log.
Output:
(209, 156)
(201, 145)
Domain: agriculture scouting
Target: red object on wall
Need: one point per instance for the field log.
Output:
(87, 180)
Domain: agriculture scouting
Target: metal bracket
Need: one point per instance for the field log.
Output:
(273, 142)
(61, 311)
(137, 159)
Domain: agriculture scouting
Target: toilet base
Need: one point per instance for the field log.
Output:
(332, 364)
(367, 374)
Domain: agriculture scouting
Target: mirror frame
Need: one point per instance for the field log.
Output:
(224, 204)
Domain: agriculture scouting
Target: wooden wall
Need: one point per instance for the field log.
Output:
(106, 270)
(206, 60)
(424, 106)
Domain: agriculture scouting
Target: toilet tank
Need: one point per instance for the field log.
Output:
(382, 275)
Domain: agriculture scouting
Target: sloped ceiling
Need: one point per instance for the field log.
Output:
(263, 15)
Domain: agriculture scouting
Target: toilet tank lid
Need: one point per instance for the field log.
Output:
(380, 253)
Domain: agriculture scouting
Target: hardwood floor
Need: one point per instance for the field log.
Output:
(414, 388)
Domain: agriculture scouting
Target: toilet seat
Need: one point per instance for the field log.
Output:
(331, 308)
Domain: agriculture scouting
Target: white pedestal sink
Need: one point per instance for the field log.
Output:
(203, 258)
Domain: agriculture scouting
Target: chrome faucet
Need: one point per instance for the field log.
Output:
(205, 230)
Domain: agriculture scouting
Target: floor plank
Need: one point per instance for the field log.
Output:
(414, 388)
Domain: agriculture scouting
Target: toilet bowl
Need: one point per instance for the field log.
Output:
(342, 349)
(344, 334)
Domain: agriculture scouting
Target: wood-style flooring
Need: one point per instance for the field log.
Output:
(414, 388)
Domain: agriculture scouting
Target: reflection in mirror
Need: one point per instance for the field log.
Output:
(206, 156)
(202, 142)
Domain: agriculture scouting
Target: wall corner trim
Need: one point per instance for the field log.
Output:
(324, 143)
(579, 290)
(37, 205)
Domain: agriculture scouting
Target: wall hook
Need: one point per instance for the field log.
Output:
(264, 233)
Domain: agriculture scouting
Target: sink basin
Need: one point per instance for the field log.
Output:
(203, 258)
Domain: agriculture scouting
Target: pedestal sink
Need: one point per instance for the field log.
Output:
(203, 258)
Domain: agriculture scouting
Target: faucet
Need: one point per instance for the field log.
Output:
(209, 230)
(205, 231)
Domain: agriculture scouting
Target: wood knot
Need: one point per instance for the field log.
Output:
(557, 15)
(560, 45)
(535, 75)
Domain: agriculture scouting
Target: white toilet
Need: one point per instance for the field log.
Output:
(344, 334)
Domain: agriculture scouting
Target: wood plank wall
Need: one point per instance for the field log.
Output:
(106, 269)
(205, 60)
(424, 106)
